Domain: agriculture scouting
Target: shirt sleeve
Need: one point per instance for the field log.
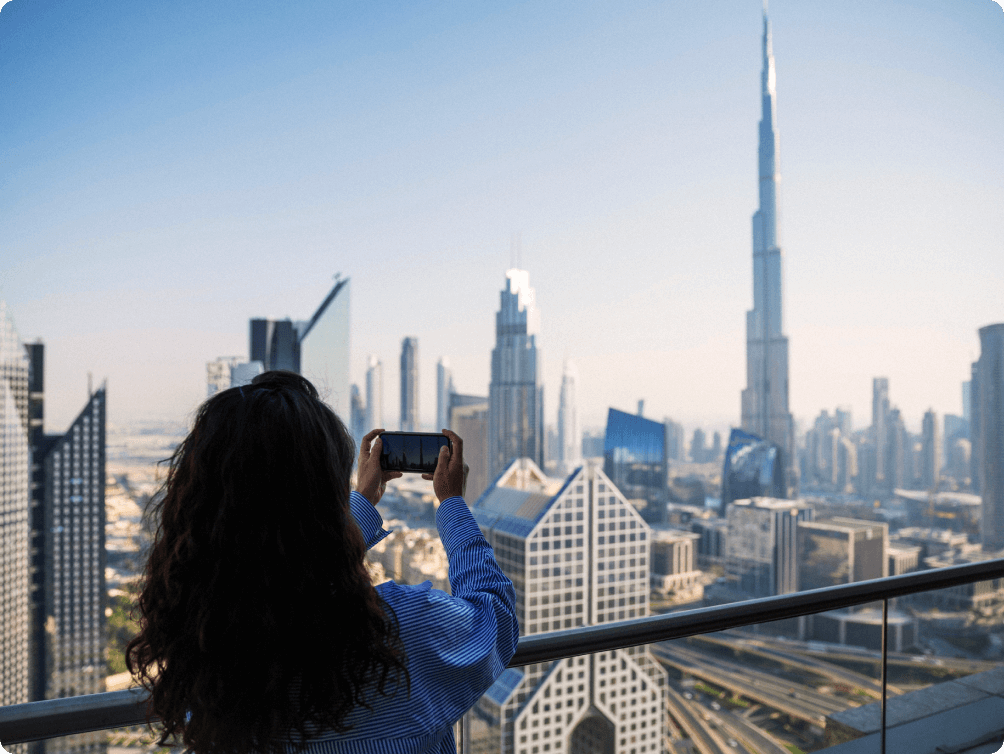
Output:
(367, 518)
(458, 644)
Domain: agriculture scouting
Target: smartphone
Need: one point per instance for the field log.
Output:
(416, 452)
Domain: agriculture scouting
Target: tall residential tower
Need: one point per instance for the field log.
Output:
(515, 395)
(765, 400)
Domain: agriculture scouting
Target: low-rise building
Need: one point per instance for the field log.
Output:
(672, 569)
(903, 559)
(931, 541)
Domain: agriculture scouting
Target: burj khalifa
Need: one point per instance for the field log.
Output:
(765, 399)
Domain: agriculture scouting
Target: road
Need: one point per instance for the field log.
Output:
(827, 670)
(814, 649)
(791, 698)
(746, 733)
(687, 716)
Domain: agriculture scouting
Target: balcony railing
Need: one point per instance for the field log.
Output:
(36, 721)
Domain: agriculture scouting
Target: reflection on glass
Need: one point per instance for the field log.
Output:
(430, 452)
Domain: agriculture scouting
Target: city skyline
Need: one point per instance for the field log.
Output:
(157, 230)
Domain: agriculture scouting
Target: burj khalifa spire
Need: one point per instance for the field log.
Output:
(765, 399)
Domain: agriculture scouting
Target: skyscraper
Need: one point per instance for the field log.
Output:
(357, 414)
(897, 449)
(569, 432)
(444, 388)
(880, 428)
(931, 462)
(579, 555)
(765, 400)
(988, 433)
(374, 393)
(73, 558)
(15, 523)
(68, 593)
(975, 429)
(317, 348)
(515, 395)
(324, 348)
(409, 385)
(634, 459)
(751, 469)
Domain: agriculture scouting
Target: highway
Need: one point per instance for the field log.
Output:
(746, 733)
(828, 670)
(815, 649)
(764, 681)
(789, 697)
(687, 716)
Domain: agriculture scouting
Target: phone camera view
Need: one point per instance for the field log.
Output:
(411, 452)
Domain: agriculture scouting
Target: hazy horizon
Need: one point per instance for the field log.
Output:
(172, 171)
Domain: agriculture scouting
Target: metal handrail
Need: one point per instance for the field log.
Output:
(35, 721)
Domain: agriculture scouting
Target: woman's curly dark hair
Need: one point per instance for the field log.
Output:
(256, 578)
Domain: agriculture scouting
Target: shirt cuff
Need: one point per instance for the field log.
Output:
(368, 519)
(456, 524)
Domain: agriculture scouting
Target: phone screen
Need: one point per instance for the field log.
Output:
(411, 451)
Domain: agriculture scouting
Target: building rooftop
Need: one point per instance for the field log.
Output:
(771, 503)
(921, 496)
(519, 499)
(668, 534)
(965, 716)
(842, 524)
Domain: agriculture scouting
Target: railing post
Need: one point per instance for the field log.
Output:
(885, 655)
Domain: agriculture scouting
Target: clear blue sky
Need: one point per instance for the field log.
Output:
(172, 169)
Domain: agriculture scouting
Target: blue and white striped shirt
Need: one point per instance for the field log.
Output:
(457, 644)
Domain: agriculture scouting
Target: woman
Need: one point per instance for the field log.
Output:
(260, 628)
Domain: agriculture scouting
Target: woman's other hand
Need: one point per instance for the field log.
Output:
(450, 479)
(371, 480)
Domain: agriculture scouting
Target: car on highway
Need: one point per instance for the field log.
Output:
(687, 695)
(716, 706)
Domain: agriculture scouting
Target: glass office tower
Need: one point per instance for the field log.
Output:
(74, 560)
(317, 348)
(324, 349)
(751, 469)
(634, 457)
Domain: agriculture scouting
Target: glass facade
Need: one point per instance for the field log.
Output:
(324, 350)
(752, 469)
(74, 564)
(634, 457)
